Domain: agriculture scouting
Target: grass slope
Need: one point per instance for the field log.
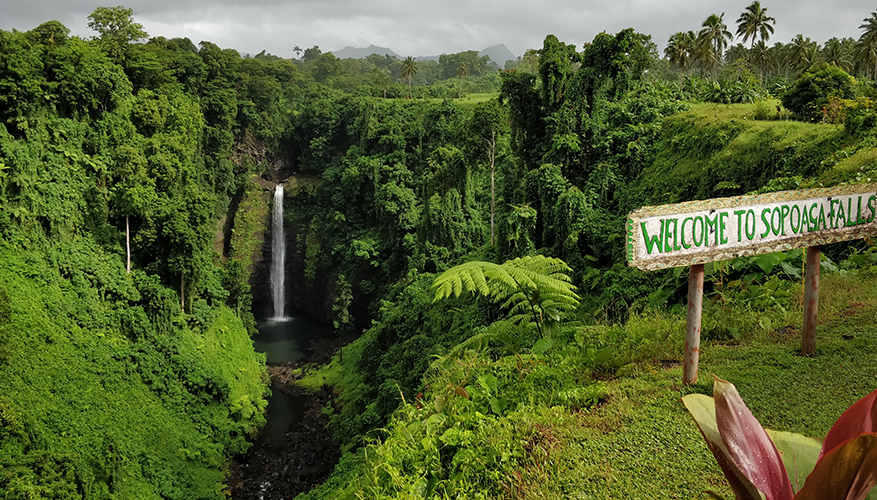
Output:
(722, 150)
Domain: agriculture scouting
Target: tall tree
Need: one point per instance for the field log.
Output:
(409, 69)
(715, 35)
(839, 53)
(762, 57)
(803, 53)
(116, 28)
(488, 121)
(736, 52)
(755, 23)
(868, 43)
(681, 49)
(382, 79)
(779, 55)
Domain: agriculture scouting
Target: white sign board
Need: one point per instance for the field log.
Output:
(724, 228)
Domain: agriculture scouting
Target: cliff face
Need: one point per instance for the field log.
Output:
(308, 288)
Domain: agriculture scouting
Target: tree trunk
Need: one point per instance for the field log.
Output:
(128, 243)
(492, 153)
(183, 292)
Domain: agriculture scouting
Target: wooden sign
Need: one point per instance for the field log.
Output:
(697, 232)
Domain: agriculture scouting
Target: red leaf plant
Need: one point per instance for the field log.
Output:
(761, 463)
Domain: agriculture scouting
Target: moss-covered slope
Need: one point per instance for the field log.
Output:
(107, 391)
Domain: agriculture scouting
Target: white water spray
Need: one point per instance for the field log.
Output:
(278, 257)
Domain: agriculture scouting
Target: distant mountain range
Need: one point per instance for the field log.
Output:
(355, 53)
(498, 53)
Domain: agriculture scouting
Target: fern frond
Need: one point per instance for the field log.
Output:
(534, 289)
(485, 278)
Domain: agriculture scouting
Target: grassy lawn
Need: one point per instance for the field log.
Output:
(642, 443)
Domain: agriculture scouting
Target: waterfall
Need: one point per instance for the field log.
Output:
(278, 257)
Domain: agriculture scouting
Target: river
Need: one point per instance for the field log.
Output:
(294, 451)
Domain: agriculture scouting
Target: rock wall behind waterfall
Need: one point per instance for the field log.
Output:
(310, 286)
(252, 232)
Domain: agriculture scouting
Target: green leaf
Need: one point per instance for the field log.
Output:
(499, 405)
(768, 261)
(604, 355)
(542, 346)
(489, 382)
(799, 454)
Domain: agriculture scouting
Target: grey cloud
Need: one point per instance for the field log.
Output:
(433, 27)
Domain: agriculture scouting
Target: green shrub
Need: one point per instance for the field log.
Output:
(860, 116)
(809, 98)
(762, 111)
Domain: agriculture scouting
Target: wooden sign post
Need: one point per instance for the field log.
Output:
(697, 232)
(692, 331)
(811, 300)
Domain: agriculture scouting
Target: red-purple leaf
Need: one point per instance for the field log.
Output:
(749, 446)
(858, 419)
(847, 472)
(703, 409)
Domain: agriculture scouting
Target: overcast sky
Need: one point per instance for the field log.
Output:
(433, 27)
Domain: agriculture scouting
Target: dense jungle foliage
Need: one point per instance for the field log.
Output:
(139, 380)
(118, 381)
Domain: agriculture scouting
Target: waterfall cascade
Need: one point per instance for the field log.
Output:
(278, 257)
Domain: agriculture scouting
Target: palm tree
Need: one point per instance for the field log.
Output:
(780, 57)
(409, 69)
(803, 53)
(715, 35)
(838, 53)
(761, 56)
(868, 42)
(755, 23)
(866, 56)
(736, 52)
(681, 49)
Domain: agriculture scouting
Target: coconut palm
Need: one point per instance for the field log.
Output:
(779, 54)
(755, 23)
(409, 69)
(736, 52)
(868, 44)
(839, 53)
(681, 49)
(803, 53)
(866, 56)
(762, 57)
(715, 35)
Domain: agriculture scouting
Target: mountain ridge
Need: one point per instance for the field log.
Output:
(498, 53)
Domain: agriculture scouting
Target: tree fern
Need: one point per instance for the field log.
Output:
(534, 289)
